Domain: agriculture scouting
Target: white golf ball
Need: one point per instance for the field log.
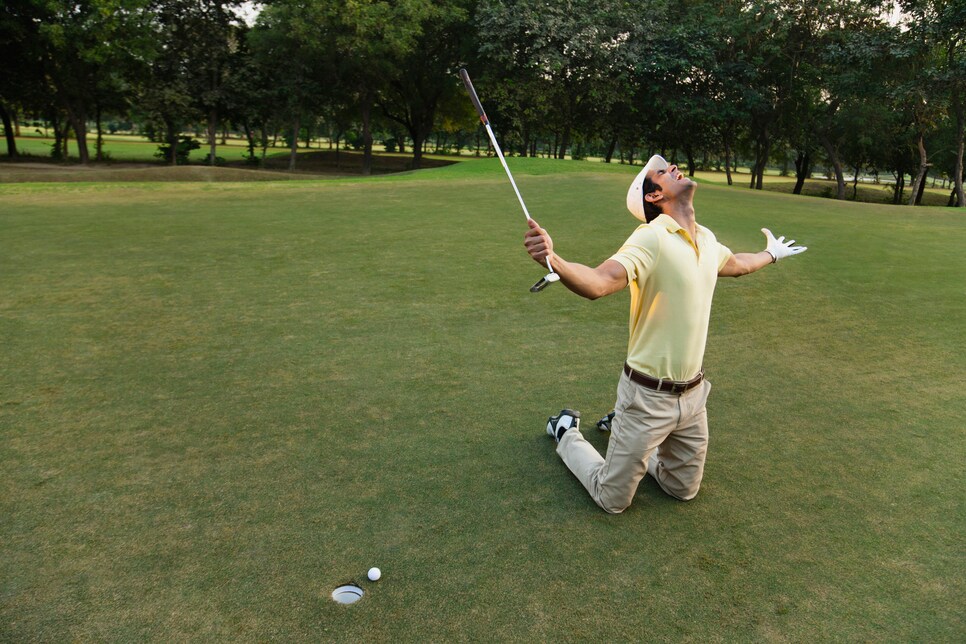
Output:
(374, 574)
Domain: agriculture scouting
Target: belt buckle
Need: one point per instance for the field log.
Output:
(679, 387)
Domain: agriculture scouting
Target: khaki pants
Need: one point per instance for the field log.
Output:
(653, 432)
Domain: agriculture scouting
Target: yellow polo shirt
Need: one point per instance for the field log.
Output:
(672, 279)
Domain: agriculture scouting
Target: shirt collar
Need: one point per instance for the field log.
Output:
(669, 224)
(667, 221)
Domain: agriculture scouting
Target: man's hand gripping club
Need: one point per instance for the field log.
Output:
(585, 281)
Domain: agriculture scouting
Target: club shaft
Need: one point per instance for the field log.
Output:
(464, 75)
(499, 153)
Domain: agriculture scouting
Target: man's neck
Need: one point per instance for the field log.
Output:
(683, 214)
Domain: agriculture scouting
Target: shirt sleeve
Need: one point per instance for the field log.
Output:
(724, 254)
(638, 253)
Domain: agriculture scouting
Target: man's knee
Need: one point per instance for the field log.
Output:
(613, 508)
(679, 491)
(685, 497)
(614, 503)
(680, 480)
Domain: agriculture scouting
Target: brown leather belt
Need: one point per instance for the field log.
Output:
(669, 386)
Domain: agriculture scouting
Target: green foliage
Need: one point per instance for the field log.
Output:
(183, 148)
(353, 139)
(56, 152)
(824, 82)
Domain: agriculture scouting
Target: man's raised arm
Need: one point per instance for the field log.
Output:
(585, 281)
(745, 263)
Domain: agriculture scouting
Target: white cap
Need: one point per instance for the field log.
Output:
(635, 194)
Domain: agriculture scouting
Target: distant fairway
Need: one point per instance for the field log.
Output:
(220, 401)
(124, 148)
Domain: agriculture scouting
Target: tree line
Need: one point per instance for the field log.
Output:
(857, 87)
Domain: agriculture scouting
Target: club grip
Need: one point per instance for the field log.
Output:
(473, 97)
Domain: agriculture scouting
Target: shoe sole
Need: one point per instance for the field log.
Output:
(553, 421)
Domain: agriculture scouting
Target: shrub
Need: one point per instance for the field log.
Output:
(184, 147)
(353, 139)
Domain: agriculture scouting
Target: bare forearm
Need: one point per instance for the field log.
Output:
(746, 263)
(588, 282)
(585, 281)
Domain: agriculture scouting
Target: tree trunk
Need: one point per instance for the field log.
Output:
(212, 135)
(78, 120)
(609, 154)
(754, 168)
(250, 137)
(727, 144)
(960, 122)
(67, 129)
(803, 168)
(264, 143)
(294, 142)
(836, 165)
(763, 162)
(921, 191)
(57, 150)
(172, 142)
(855, 181)
(921, 175)
(417, 149)
(99, 146)
(899, 187)
(564, 143)
(422, 126)
(689, 153)
(9, 132)
(366, 133)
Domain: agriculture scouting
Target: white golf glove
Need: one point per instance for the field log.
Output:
(779, 248)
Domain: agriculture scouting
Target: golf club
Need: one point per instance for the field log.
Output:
(552, 276)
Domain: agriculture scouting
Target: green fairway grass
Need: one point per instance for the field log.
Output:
(221, 401)
(125, 148)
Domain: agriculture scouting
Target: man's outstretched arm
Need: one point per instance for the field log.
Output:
(745, 263)
(585, 281)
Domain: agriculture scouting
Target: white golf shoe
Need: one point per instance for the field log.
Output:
(604, 423)
(565, 420)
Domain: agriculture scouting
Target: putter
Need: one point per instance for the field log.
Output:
(552, 276)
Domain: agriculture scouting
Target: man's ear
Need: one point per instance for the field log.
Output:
(653, 197)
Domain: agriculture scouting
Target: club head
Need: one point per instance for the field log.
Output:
(544, 282)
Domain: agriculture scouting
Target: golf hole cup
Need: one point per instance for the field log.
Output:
(374, 574)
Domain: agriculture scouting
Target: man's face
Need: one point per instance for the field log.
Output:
(671, 181)
(672, 186)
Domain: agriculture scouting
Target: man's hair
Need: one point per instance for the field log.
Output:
(651, 210)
